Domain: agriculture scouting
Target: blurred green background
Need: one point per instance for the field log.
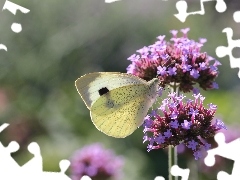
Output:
(62, 40)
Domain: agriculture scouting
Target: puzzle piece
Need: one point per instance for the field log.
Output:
(159, 178)
(222, 51)
(7, 163)
(64, 164)
(176, 171)
(33, 169)
(236, 16)
(85, 178)
(182, 6)
(12, 7)
(5, 154)
(111, 1)
(228, 150)
(2, 46)
(35, 165)
(3, 126)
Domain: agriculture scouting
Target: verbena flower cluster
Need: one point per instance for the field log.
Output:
(180, 64)
(97, 163)
(177, 121)
(179, 61)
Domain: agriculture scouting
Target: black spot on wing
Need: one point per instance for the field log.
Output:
(103, 91)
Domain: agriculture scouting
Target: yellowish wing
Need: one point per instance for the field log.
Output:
(88, 86)
(119, 112)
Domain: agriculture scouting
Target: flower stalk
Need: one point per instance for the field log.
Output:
(172, 151)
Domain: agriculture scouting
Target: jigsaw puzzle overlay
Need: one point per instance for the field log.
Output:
(12, 7)
(33, 169)
(111, 1)
(221, 7)
(227, 150)
(16, 27)
(177, 171)
(222, 51)
(182, 7)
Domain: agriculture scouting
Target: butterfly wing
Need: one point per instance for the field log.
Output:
(90, 85)
(119, 112)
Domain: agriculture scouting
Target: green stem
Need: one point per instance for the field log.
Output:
(172, 151)
(171, 161)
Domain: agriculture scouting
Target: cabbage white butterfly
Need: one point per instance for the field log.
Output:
(118, 102)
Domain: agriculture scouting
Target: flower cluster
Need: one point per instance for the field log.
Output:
(176, 121)
(179, 61)
(96, 162)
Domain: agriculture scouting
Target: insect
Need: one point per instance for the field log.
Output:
(118, 102)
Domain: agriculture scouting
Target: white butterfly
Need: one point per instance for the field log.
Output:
(117, 102)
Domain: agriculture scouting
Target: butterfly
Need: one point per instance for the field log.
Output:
(118, 102)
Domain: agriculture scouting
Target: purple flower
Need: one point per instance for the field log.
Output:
(178, 61)
(143, 50)
(202, 66)
(186, 67)
(161, 38)
(174, 124)
(148, 122)
(161, 70)
(185, 31)
(154, 113)
(145, 138)
(172, 71)
(160, 139)
(192, 144)
(214, 85)
(174, 33)
(197, 155)
(168, 133)
(202, 40)
(133, 57)
(194, 73)
(207, 146)
(196, 91)
(212, 106)
(174, 115)
(193, 112)
(186, 124)
(95, 162)
(213, 68)
(219, 125)
(180, 121)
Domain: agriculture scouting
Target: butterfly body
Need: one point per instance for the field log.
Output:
(117, 102)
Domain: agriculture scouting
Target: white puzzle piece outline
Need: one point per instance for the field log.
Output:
(111, 1)
(236, 16)
(177, 171)
(33, 169)
(182, 7)
(227, 150)
(85, 178)
(222, 51)
(2, 46)
(12, 7)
